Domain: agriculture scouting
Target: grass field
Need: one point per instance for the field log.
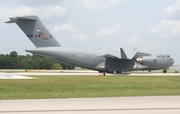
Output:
(89, 86)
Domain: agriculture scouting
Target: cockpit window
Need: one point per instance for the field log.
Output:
(168, 56)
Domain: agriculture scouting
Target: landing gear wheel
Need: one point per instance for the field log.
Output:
(119, 72)
(164, 71)
(104, 73)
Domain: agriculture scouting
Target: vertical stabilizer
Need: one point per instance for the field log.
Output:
(35, 31)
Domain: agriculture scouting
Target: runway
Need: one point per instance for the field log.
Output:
(114, 105)
(80, 73)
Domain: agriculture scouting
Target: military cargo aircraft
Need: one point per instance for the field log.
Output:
(48, 47)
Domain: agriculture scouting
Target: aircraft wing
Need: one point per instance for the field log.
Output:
(144, 54)
(114, 57)
(111, 56)
(123, 56)
(139, 54)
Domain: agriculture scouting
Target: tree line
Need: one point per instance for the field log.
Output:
(15, 61)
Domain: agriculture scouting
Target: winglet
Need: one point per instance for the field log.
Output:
(123, 54)
(9, 22)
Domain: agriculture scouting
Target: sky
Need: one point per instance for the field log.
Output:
(135, 25)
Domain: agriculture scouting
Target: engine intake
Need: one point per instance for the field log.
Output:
(139, 60)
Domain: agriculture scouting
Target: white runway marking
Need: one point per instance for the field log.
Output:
(14, 76)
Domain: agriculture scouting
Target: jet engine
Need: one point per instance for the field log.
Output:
(145, 60)
(139, 60)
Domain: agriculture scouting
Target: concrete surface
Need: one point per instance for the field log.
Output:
(114, 105)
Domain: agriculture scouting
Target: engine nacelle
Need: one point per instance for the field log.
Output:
(146, 60)
(139, 60)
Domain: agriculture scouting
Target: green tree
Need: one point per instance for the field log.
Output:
(15, 61)
(67, 66)
(13, 54)
(57, 66)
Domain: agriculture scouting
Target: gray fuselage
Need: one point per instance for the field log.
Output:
(99, 61)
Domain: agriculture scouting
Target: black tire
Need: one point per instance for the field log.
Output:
(164, 71)
(104, 73)
(119, 72)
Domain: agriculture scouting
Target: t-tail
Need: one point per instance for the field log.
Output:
(35, 31)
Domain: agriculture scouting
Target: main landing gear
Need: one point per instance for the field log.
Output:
(103, 73)
(118, 72)
(164, 71)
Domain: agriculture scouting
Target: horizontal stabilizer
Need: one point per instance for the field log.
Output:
(9, 22)
(27, 18)
(14, 19)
